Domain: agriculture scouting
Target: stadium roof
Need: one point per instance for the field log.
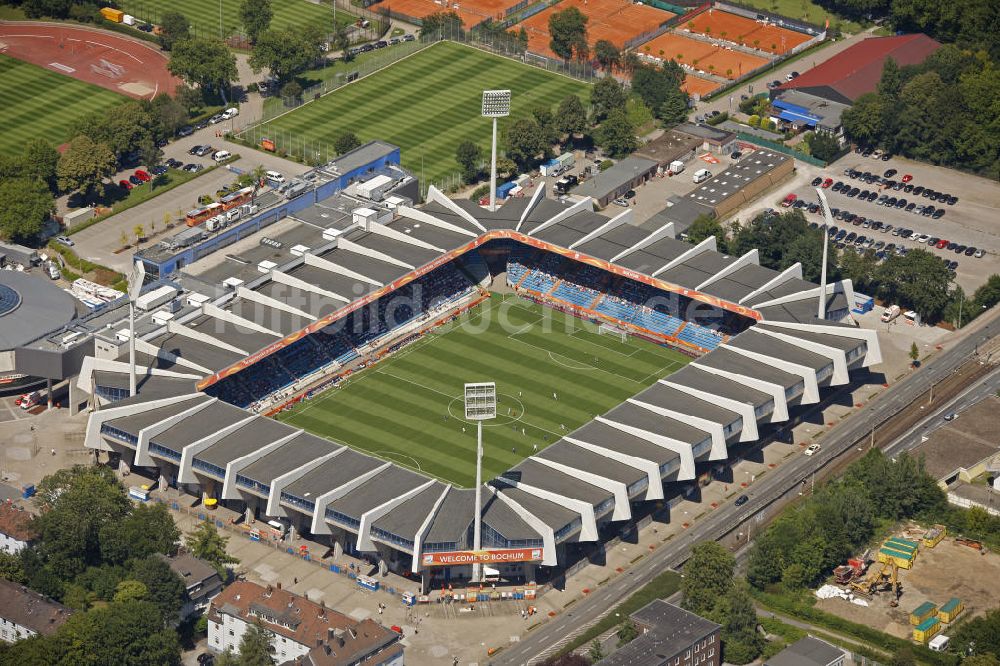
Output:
(29, 306)
(857, 69)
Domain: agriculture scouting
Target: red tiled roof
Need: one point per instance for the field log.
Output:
(857, 70)
(16, 523)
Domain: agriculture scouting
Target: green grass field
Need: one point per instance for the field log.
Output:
(426, 104)
(806, 10)
(204, 14)
(43, 104)
(397, 409)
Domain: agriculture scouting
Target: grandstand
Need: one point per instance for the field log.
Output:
(370, 300)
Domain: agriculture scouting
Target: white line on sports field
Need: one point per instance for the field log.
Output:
(589, 367)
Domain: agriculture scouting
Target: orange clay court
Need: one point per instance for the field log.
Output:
(614, 20)
(702, 56)
(742, 30)
(472, 12)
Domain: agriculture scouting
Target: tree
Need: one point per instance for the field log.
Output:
(291, 92)
(570, 117)
(595, 651)
(914, 352)
(25, 205)
(903, 657)
(285, 53)
(627, 632)
(38, 160)
(12, 568)
(981, 660)
(674, 109)
(130, 632)
(741, 643)
(655, 86)
(919, 280)
(255, 15)
(468, 155)
(151, 156)
(255, 648)
(891, 82)
(988, 294)
(174, 27)
(823, 146)
(568, 29)
(865, 121)
(164, 587)
(708, 577)
(123, 239)
(616, 135)
(84, 166)
(704, 226)
(148, 530)
(606, 96)
(203, 62)
(206, 542)
(346, 142)
(130, 590)
(442, 25)
(607, 54)
(227, 658)
(525, 142)
(980, 635)
(170, 114)
(547, 124)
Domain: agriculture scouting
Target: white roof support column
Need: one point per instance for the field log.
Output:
(793, 272)
(708, 244)
(424, 217)
(549, 558)
(810, 394)
(683, 449)
(841, 375)
(537, 196)
(278, 484)
(191, 334)
(142, 457)
(332, 267)
(292, 281)
(257, 297)
(365, 542)
(666, 231)
(777, 392)
(622, 509)
(437, 196)
(319, 525)
(94, 440)
(750, 258)
(351, 246)
(716, 430)
(624, 217)
(229, 488)
(873, 355)
(654, 490)
(216, 312)
(588, 519)
(85, 380)
(149, 349)
(585, 204)
(418, 539)
(185, 474)
(399, 236)
(748, 420)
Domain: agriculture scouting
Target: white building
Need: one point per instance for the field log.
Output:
(25, 613)
(303, 632)
(15, 529)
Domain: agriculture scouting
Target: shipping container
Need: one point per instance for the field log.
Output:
(113, 15)
(923, 612)
(926, 630)
(951, 610)
(155, 298)
(934, 535)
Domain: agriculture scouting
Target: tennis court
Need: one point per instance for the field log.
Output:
(472, 12)
(695, 85)
(745, 31)
(714, 58)
(617, 21)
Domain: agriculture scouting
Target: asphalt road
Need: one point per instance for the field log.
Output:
(782, 483)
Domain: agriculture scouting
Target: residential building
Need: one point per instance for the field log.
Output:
(16, 532)
(808, 651)
(303, 632)
(201, 581)
(25, 613)
(669, 636)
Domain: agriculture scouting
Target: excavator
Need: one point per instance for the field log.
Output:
(884, 579)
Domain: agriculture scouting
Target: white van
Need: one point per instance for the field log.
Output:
(222, 156)
(701, 175)
(231, 112)
(274, 177)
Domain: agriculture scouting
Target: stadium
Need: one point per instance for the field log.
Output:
(322, 392)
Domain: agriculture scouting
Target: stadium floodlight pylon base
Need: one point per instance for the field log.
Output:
(480, 405)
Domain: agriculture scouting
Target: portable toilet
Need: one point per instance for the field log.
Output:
(926, 630)
(922, 613)
(950, 610)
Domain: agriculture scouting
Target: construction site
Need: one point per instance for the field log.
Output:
(914, 585)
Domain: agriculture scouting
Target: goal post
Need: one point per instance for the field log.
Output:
(612, 330)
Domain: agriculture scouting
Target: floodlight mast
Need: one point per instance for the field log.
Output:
(827, 221)
(480, 405)
(135, 280)
(496, 104)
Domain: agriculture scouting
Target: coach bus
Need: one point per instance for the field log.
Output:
(199, 215)
(237, 198)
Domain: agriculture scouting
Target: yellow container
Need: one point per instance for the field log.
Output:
(926, 630)
(113, 15)
(922, 613)
(950, 610)
(934, 535)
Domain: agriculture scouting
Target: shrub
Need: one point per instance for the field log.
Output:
(754, 121)
(606, 164)
(719, 119)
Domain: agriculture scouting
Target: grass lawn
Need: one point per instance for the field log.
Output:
(204, 14)
(408, 408)
(40, 103)
(426, 104)
(806, 10)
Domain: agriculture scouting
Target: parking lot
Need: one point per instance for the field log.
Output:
(970, 221)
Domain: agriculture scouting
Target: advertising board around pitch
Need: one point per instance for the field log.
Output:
(500, 556)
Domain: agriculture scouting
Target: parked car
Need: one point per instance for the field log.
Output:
(193, 168)
(158, 170)
(789, 200)
(187, 130)
(827, 183)
(922, 238)
(125, 184)
(135, 180)
(978, 254)
(173, 164)
(889, 173)
(143, 175)
(942, 244)
(65, 240)
(813, 448)
(817, 181)
(409, 38)
(938, 214)
(216, 119)
(741, 500)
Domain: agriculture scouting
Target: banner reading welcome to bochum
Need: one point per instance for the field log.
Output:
(455, 557)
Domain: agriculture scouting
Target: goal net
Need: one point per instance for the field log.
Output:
(611, 329)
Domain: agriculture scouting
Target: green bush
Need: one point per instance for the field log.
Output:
(606, 164)
(753, 121)
(480, 192)
(719, 119)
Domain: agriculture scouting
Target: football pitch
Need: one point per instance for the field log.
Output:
(553, 374)
(38, 103)
(426, 104)
(204, 15)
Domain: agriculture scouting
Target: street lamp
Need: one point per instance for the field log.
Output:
(135, 280)
(496, 104)
(480, 405)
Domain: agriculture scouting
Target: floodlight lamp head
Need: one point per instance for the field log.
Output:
(480, 401)
(496, 103)
(135, 279)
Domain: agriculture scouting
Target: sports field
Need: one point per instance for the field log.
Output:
(204, 14)
(426, 104)
(551, 371)
(617, 21)
(43, 104)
